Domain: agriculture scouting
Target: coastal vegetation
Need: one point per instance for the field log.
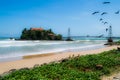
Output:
(88, 67)
(113, 43)
(117, 43)
(39, 34)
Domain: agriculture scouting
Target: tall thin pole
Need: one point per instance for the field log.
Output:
(68, 32)
(69, 36)
(110, 35)
(110, 32)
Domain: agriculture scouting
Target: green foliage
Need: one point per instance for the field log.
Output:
(39, 35)
(89, 67)
(58, 37)
(117, 43)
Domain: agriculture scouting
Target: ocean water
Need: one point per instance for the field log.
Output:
(11, 49)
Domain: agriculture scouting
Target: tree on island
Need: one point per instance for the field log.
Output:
(39, 34)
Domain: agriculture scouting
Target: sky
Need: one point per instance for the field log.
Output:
(58, 15)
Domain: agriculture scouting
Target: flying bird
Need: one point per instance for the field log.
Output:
(101, 19)
(95, 12)
(104, 13)
(110, 26)
(105, 23)
(106, 29)
(117, 12)
(106, 2)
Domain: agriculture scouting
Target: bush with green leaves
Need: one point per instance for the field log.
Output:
(39, 35)
(117, 42)
(88, 67)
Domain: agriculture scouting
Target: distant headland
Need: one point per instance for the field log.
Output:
(39, 34)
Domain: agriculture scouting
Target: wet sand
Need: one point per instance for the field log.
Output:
(30, 60)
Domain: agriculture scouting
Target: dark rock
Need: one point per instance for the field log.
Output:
(64, 60)
(110, 40)
(24, 68)
(43, 64)
(99, 66)
(118, 48)
(12, 70)
(106, 44)
(69, 39)
(115, 78)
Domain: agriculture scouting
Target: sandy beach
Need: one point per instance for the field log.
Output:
(30, 60)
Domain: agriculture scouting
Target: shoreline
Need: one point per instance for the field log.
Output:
(60, 52)
(38, 54)
(31, 60)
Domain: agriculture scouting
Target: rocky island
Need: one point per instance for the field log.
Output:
(39, 34)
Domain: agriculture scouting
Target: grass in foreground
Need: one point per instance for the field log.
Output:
(89, 67)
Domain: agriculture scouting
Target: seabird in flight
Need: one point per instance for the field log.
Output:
(95, 12)
(101, 19)
(105, 23)
(117, 12)
(106, 2)
(106, 29)
(104, 13)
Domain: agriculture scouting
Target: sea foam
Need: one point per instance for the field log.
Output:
(11, 49)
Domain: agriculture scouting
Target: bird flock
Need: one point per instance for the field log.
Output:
(105, 13)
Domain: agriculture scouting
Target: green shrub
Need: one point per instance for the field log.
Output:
(89, 67)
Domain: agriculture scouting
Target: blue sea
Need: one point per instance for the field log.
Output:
(12, 49)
